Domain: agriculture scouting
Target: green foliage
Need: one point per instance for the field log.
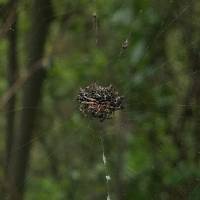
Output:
(43, 188)
(154, 75)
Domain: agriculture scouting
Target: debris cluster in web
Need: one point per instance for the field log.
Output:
(99, 102)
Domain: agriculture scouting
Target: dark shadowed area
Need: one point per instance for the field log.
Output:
(99, 100)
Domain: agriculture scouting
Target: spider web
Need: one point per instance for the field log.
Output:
(120, 55)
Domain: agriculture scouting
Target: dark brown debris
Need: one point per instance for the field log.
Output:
(99, 102)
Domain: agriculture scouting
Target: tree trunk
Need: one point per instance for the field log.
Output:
(40, 21)
(12, 73)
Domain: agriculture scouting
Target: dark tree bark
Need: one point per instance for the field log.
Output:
(41, 15)
(12, 73)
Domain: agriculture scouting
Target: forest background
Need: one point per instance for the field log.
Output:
(50, 49)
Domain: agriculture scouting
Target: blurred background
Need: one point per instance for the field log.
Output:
(148, 50)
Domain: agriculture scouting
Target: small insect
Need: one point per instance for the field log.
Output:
(99, 102)
(125, 44)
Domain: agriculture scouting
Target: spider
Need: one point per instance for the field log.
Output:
(99, 102)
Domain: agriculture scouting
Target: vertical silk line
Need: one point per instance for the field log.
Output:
(95, 24)
(107, 175)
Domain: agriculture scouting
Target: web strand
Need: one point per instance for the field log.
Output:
(107, 174)
(112, 62)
